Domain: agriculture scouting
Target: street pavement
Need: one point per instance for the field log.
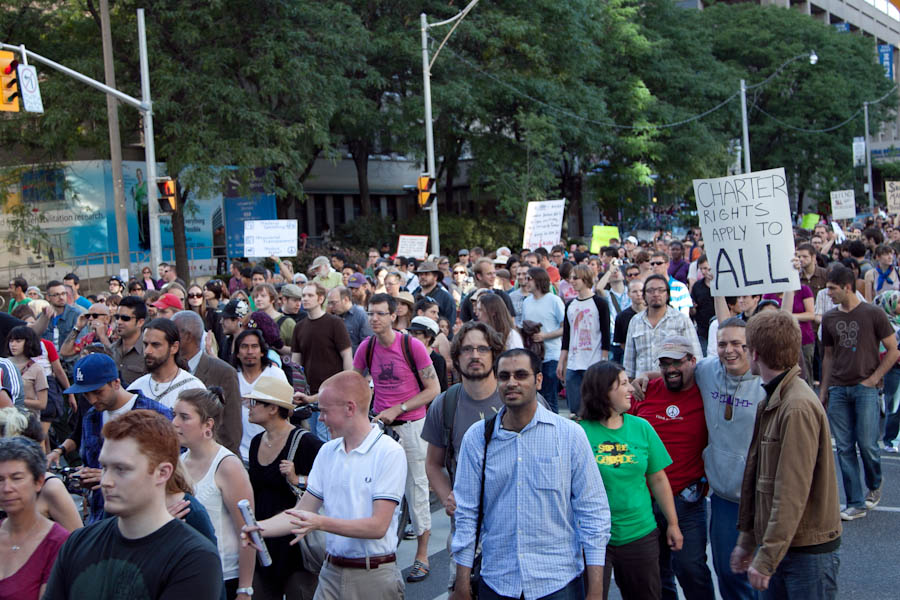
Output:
(869, 549)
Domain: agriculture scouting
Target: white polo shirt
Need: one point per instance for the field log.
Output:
(349, 483)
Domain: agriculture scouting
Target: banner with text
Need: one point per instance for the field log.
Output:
(543, 224)
(843, 204)
(748, 235)
(892, 193)
(413, 246)
(275, 237)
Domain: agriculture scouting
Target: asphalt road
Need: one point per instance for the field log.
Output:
(869, 549)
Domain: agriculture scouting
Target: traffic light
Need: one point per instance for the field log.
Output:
(424, 185)
(9, 85)
(167, 193)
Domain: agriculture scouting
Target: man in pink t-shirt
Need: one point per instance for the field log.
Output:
(401, 402)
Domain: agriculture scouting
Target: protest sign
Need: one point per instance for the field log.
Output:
(413, 246)
(809, 221)
(543, 224)
(892, 192)
(843, 204)
(749, 239)
(601, 236)
(276, 237)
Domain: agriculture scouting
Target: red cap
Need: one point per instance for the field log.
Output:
(168, 301)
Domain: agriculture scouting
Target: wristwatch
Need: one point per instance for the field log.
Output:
(246, 590)
(404, 408)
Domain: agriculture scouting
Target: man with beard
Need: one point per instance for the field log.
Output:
(674, 407)
(165, 379)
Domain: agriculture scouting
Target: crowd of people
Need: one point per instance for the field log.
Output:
(578, 415)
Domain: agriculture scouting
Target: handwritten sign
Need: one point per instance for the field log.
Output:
(746, 224)
(843, 204)
(892, 193)
(413, 246)
(276, 237)
(543, 224)
(601, 235)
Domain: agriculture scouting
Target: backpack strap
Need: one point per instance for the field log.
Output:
(614, 299)
(410, 360)
(370, 351)
(451, 399)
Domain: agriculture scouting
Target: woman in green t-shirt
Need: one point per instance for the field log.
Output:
(631, 459)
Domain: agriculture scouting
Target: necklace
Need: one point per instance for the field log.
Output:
(730, 400)
(17, 547)
(155, 388)
(268, 435)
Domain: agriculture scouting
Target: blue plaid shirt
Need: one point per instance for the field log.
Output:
(544, 502)
(92, 441)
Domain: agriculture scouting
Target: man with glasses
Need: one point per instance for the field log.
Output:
(650, 327)
(546, 518)
(401, 395)
(679, 295)
(673, 405)
(632, 272)
(90, 327)
(114, 284)
(128, 349)
(429, 276)
(371, 259)
(65, 315)
(484, 279)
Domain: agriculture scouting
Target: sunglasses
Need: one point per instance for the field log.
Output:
(195, 295)
(124, 318)
(656, 263)
(459, 273)
(91, 316)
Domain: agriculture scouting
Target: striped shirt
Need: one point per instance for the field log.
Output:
(680, 297)
(644, 340)
(11, 382)
(544, 503)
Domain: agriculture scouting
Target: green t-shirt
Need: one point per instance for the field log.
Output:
(13, 303)
(625, 457)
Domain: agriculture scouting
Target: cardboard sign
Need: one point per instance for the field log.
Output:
(413, 246)
(543, 224)
(276, 237)
(843, 204)
(748, 234)
(892, 193)
(601, 235)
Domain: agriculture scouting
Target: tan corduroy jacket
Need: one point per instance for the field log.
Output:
(789, 496)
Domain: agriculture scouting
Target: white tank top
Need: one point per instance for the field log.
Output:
(209, 494)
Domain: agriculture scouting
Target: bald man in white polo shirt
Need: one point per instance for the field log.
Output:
(360, 507)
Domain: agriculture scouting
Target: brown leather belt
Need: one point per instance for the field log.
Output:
(361, 563)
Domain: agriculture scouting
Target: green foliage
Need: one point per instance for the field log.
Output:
(456, 231)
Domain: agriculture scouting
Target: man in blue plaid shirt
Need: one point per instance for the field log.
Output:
(544, 502)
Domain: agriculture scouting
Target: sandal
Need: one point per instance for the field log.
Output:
(418, 572)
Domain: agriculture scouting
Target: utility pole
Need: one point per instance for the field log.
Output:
(115, 143)
(869, 162)
(429, 139)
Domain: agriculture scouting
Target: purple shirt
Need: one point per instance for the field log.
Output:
(808, 335)
(679, 270)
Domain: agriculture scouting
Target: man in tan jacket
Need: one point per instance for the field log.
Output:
(789, 513)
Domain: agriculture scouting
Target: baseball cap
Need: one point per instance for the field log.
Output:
(424, 324)
(357, 280)
(289, 290)
(632, 239)
(675, 347)
(273, 390)
(114, 278)
(463, 252)
(93, 372)
(235, 309)
(168, 301)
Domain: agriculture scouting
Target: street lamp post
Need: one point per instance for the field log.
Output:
(429, 126)
(745, 127)
(868, 160)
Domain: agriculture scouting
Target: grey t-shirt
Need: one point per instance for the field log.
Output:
(725, 455)
(468, 412)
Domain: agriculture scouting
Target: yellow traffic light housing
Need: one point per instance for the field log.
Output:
(9, 84)
(424, 185)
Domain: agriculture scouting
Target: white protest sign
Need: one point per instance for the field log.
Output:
(747, 231)
(892, 192)
(413, 246)
(276, 237)
(543, 224)
(843, 204)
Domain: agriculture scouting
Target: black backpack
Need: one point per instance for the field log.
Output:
(407, 354)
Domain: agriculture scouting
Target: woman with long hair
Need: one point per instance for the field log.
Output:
(29, 542)
(24, 347)
(491, 309)
(219, 481)
(198, 301)
(631, 459)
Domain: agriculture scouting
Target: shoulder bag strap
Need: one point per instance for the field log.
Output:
(488, 433)
(292, 451)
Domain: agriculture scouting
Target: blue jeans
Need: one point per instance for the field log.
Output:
(804, 576)
(574, 590)
(550, 385)
(723, 534)
(318, 427)
(891, 405)
(854, 412)
(573, 390)
(617, 353)
(688, 564)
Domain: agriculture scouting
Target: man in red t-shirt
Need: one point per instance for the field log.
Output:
(673, 406)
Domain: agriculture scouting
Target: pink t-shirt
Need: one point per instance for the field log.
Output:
(394, 382)
(25, 584)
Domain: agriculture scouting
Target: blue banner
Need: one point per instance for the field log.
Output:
(255, 207)
(886, 58)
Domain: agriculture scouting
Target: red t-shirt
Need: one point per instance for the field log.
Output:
(678, 419)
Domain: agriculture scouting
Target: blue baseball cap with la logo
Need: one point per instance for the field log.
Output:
(93, 372)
